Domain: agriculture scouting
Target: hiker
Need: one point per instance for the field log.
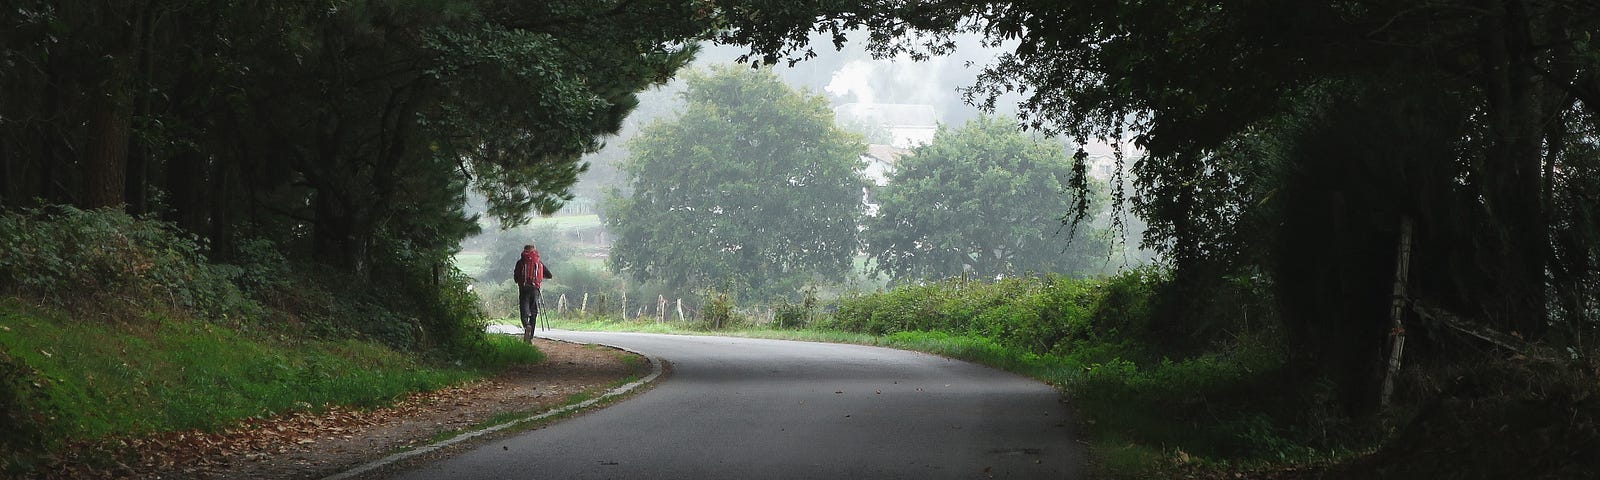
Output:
(529, 274)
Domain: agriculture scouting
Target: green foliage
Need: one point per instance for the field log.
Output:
(105, 262)
(752, 190)
(720, 312)
(498, 352)
(1039, 315)
(106, 265)
(556, 253)
(1273, 157)
(367, 120)
(169, 373)
(986, 200)
(1236, 401)
(798, 315)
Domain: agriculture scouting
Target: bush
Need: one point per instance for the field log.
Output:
(1037, 314)
(721, 312)
(498, 300)
(1127, 301)
(106, 262)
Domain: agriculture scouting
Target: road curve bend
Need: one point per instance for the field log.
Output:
(739, 408)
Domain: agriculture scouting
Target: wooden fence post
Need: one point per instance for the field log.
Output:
(680, 309)
(584, 310)
(1397, 309)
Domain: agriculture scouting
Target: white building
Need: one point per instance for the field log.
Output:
(881, 161)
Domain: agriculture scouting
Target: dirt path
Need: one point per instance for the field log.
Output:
(305, 445)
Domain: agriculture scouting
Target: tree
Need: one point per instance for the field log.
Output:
(1201, 84)
(343, 133)
(752, 189)
(320, 125)
(983, 199)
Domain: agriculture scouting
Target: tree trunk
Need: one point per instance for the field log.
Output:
(136, 182)
(222, 232)
(111, 111)
(6, 190)
(185, 187)
(1512, 171)
(105, 163)
(333, 232)
(138, 174)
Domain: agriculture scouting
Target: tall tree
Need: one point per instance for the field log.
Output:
(983, 199)
(1189, 79)
(308, 122)
(751, 189)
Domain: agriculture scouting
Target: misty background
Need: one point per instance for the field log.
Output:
(574, 242)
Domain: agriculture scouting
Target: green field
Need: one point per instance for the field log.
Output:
(471, 263)
(572, 222)
(474, 263)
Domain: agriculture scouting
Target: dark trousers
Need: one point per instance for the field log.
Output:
(528, 301)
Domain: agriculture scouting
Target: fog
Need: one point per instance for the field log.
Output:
(847, 76)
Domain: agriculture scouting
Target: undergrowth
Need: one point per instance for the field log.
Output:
(113, 326)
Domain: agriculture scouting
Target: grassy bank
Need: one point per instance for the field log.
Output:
(113, 326)
(94, 381)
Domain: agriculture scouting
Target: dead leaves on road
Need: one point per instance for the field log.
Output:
(198, 454)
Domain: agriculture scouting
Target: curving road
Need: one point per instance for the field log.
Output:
(748, 408)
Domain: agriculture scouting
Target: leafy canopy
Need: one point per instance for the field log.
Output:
(984, 199)
(752, 189)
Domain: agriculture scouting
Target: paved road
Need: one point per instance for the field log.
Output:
(744, 408)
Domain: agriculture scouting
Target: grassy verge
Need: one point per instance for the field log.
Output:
(96, 380)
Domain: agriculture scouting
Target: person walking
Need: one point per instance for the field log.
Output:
(529, 274)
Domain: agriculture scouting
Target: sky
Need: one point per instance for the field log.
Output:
(853, 76)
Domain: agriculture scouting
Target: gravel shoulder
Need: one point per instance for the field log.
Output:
(315, 445)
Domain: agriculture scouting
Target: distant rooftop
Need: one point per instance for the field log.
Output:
(886, 153)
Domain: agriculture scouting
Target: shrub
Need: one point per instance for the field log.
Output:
(100, 260)
(721, 311)
(498, 300)
(1127, 301)
(792, 315)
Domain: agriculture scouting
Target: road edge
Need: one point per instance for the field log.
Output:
(656, 368)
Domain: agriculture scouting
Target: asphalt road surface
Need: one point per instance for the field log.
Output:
(739, 408)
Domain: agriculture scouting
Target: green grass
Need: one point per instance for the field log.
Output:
(472, 263)
(587, 263)
(100, 380)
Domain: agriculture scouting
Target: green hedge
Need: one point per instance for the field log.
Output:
(1036, 314)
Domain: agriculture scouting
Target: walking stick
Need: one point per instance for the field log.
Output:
(541, 310)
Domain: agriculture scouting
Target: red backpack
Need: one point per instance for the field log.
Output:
(532, 268)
